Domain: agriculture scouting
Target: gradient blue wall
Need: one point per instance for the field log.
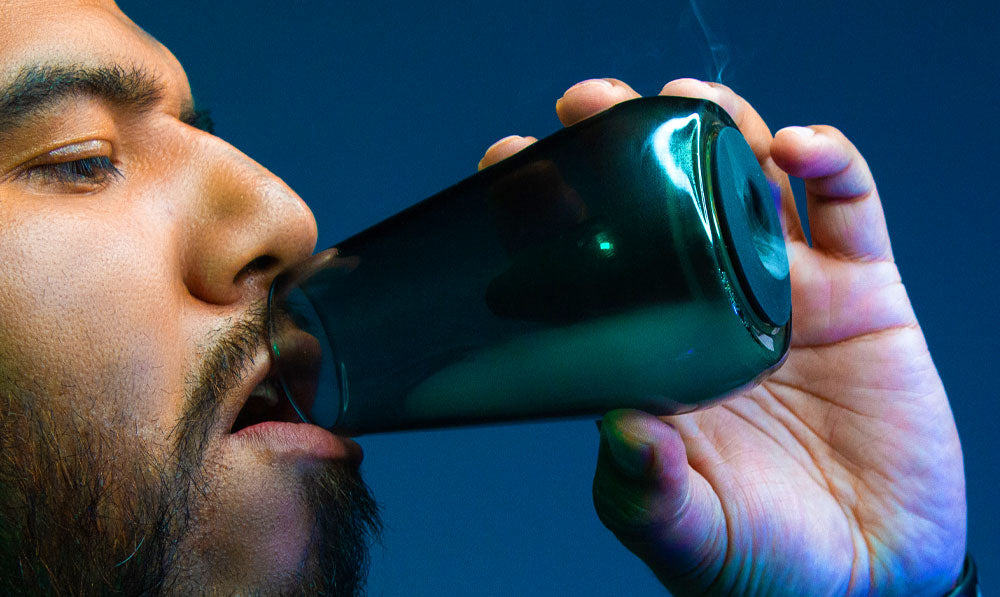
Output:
(367, 108)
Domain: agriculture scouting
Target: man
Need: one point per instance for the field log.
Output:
(138, 249)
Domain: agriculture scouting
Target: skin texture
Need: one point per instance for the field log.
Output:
(130, 315)
(842, 473)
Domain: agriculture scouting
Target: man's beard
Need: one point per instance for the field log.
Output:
(84, 510)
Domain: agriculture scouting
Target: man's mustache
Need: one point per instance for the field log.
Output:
(227, 363)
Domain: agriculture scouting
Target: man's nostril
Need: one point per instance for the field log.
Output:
(260, 264)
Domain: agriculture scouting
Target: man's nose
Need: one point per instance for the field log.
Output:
(246, 226)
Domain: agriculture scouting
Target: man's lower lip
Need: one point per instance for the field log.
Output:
(303, 438)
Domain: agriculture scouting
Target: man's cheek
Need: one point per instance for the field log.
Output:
(86, 315)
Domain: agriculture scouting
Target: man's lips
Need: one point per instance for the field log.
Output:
(261, 394)
(237, 399)
(305, 439)
(278, 428)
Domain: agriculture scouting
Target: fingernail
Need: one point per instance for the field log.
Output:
(633, 461)
(504, 140)
(800, 131)
(590, 83)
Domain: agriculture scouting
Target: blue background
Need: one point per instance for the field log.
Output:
(365, 108)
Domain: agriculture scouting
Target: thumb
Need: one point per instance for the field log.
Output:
(655, 503)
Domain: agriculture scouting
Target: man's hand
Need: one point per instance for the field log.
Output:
(839, 475)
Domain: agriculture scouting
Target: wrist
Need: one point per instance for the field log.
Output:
(967, 584)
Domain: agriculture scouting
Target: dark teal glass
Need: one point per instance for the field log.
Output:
(632, 260)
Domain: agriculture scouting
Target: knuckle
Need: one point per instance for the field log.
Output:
(683, 81)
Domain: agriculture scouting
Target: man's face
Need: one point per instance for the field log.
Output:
(137, 250)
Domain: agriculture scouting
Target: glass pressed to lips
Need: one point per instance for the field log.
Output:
(635, 259)
(298, 344)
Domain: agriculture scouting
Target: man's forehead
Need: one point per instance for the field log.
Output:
(27, 5)
(87, 33)
(37, 11)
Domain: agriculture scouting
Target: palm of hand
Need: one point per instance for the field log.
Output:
(839, 458)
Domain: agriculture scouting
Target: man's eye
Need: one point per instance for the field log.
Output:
(90, 171)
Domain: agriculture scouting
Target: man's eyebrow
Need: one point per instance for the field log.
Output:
(36, 88)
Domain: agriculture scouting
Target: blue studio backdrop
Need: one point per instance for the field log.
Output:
(365, 108)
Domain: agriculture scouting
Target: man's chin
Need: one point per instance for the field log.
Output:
(284, 525)
(346, 522)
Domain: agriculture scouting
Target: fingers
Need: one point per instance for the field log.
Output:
(653, 501)
(504, 148)
(758, 136)
(845, 213)
(589, 97)
(580, 101)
